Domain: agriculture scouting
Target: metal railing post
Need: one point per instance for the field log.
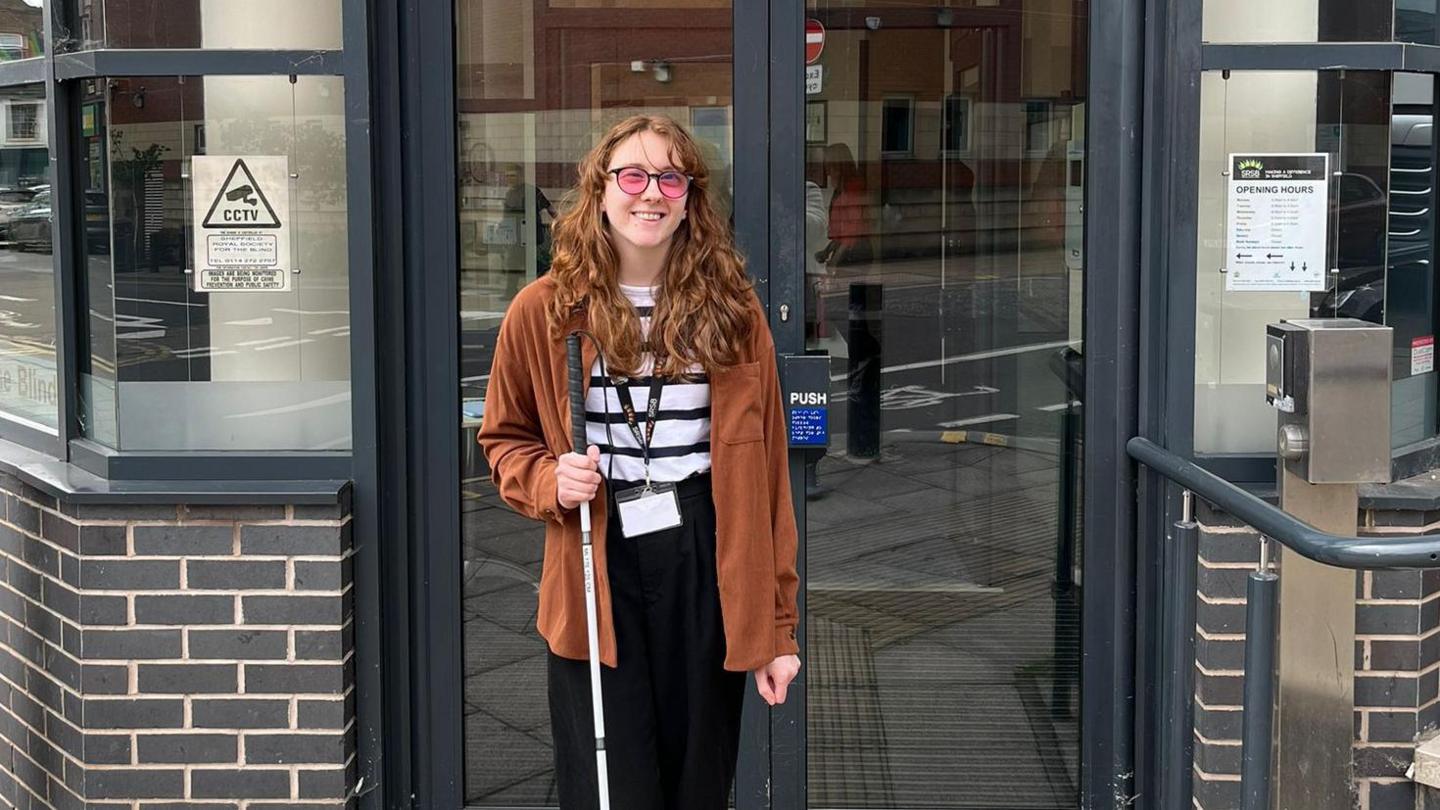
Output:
(1259, 701)
(1180, 557)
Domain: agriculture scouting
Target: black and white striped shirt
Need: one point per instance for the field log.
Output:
(681, 443)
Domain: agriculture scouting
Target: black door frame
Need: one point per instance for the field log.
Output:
(409, 693)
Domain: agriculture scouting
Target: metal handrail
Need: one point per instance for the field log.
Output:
(1179, 559)
(1365, 553)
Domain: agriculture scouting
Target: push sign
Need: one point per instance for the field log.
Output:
(807, 399)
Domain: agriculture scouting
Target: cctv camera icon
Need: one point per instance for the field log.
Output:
(245, 192)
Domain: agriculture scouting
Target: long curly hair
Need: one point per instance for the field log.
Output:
(702, 306)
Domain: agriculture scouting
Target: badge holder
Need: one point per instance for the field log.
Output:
(649, 508)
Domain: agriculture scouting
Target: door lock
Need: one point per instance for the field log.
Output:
(784, 313)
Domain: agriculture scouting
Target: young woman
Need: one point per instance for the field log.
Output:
(683, 417)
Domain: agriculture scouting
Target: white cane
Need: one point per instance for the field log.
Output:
(577, 429)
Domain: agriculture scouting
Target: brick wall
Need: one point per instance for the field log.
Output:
(156, 655)
(1397, 661)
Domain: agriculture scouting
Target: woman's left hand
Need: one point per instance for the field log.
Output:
(773, 679)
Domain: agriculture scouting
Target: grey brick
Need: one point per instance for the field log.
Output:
(240, 713)
(61, 798)
(60, 531)
(233, 513)
(66, 737)
(1218, 619)
(1392, 726)
(187, 748)
(1387, 620)
(104, 609)
(123, 575)
(134, 713)
(41, 556)
(127, 644)
(1219, 654)
(188, 541)
(293, 609)
(238, 644)
(70, 637)
(104, 679)
(1373, 762)
(1396, 585)
(188, 678)
(12, 605)
(107, 749)
(1221, 583)
(249, 783)
(45, 755)
(24, 580)
(323, 714)
(234, 574)
(319, 576)
(329, 783)
(1219, 690)
(1392, 796)
(290, 749)
(319, 645)
(294, 678)
(61, 599)
(25, 516)
(135, 784)
(1386, 691)
(1395, 655)
(291, 540)
(184, 609)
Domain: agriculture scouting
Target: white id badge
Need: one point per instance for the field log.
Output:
(648, 509)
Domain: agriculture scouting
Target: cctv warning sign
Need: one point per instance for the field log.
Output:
(242, 212)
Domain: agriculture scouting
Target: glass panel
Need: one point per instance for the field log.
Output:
(270, 24)
(1409, 292)
(1348, 118)
(945, 180)
(1415, 21)
(1311, 20)
(249, 369)
(28, 382)
(22, 30)
(537, 83)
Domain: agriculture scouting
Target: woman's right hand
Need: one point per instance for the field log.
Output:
(577, 477)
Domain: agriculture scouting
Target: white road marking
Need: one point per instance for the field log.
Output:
(261, 341)
(329, 330)
(156, 301)
(285, 345)
(980, 420)
(1059, 406)
(14, 298)
(252, 322)
(967, 358)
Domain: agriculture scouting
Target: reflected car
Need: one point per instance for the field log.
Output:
(31, 226)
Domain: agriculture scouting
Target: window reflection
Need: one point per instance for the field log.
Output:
(537, 82)
(944, 181)
(28, 379)
(247, 369)
(278, 24)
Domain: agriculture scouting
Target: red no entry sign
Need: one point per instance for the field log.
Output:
(814, 40)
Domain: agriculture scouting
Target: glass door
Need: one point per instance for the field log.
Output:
(537, 83)
(945, 162)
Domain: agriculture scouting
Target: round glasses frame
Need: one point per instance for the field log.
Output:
(649, 178)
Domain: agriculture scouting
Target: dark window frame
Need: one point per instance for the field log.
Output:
(60, 71)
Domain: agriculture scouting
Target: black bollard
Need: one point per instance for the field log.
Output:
(867, 304)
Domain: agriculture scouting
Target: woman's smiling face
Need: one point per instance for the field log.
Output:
(648, 220)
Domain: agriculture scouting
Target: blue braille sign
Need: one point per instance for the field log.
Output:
(809, 427)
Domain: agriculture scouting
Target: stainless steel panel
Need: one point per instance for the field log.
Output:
(1316, 661)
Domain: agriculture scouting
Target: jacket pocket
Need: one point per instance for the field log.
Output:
(735, 404)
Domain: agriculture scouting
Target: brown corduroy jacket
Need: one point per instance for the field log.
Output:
(527, 426)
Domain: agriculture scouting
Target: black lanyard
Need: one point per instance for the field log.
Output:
(652, 410)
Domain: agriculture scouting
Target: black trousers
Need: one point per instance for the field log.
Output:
(672, 713)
